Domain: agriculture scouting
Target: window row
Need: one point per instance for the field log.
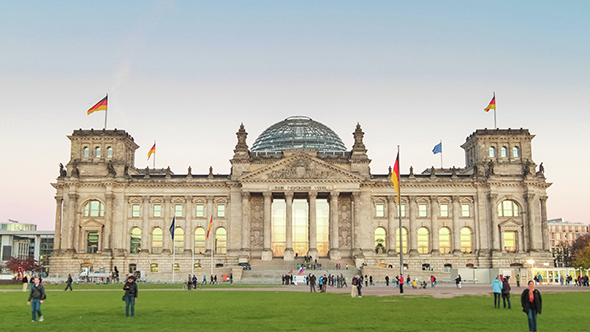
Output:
(444, 210)
(95, 208)
(503, 152)
(200, 237)
(97, 152)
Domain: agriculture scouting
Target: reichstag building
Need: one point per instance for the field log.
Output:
(299, 191)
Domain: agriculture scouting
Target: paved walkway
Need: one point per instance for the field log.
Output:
(440, 291)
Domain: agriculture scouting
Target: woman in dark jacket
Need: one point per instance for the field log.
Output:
(506, 292)
(531, 304)
(130, 296)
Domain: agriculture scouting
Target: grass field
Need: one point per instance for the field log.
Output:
(169, 310)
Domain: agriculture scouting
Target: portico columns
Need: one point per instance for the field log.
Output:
(289, 254)
(267, 252)
(544, 227)
(334, 234)
(495, 229)
(58, 232)
(166, 239)
(313, 237)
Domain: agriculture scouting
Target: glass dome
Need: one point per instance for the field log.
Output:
(298, 133)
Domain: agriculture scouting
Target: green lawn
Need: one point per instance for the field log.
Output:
(284, 311)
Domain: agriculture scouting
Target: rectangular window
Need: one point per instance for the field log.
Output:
(157, 210)
(200, 213)
(154, 267)
(135, 212)
(178, 210)
(92, 243)
(510, 241)
(444, 210)
(220, 211)
(402, 210)
(176, 267)
(465, 210)
(422, 210)
(380, 211)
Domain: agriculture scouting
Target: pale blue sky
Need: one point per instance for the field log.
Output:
(187, 73)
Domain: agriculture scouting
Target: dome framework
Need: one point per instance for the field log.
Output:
(298, 133)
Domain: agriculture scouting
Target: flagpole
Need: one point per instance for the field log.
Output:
(399, 214)
(212, 247)
(154, 161)
(105, 114)
(495, 125)
(441, 155)
(173, 258)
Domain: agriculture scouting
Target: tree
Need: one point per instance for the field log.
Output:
(578, 247)
(582, 258)
(28, 264)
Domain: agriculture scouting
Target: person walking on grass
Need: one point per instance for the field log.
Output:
(531, 305)
(506, 292)
(36, 297)
(130, 296)
(497, 289)
(25, 283)
(69, 283)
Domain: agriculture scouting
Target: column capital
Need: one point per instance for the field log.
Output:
(334, 194)
(289, 195)
(434, 199)
(313, 194)
(59, 198)
(245, 194)
(530, 197)
(492, 197)
(356, 195)
(188, 198)
(167, 198)
(391, 198)
(209, 198)
(412, 198)
(145, 198)
(544, 199)
(73, 196)
(455, 198)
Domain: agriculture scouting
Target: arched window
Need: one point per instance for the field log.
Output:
(508, 208)
(492, 151)
(444, 240)
(423, 245)
(404, 240)
(86, 152)
(94, 209)
(380, 236)
(157, 240)
(504, 152)
(515, 153)
(220, 240)
(135, 241)
(466, 240)
(178, 240)
(109, 152)
(97, 152)
(200, 240)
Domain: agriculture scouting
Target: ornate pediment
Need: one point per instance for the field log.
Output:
(510, 225)
(301, 168)
(92, 224)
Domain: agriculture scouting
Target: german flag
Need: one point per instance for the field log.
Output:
(100, 106)
(152, 151)
(395, 176)
(492, 105)
(210, 225)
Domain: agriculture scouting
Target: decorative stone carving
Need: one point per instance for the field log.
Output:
(344, 222)
(62, 171)
(75, 172)
(301, 169)
(111, 169)
(256, 222)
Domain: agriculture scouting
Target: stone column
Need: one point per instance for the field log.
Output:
(356, 222)
(167, 243)
(391, 208)
(534, 233)
(188, 227)
(267, 251)
(334, 226)
(108, 222)
(74, 222)
(496, 244)
(209, 242)
(145, 228)
(435, 245)
(412, 231)
(544, 226)
(456, 232)
(245, 221)
(289, 254)
(58, 232)
(313, 226)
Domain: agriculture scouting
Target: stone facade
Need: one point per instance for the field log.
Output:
(491, 213)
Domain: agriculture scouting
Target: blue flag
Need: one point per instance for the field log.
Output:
(172, 227)
(437, 148)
